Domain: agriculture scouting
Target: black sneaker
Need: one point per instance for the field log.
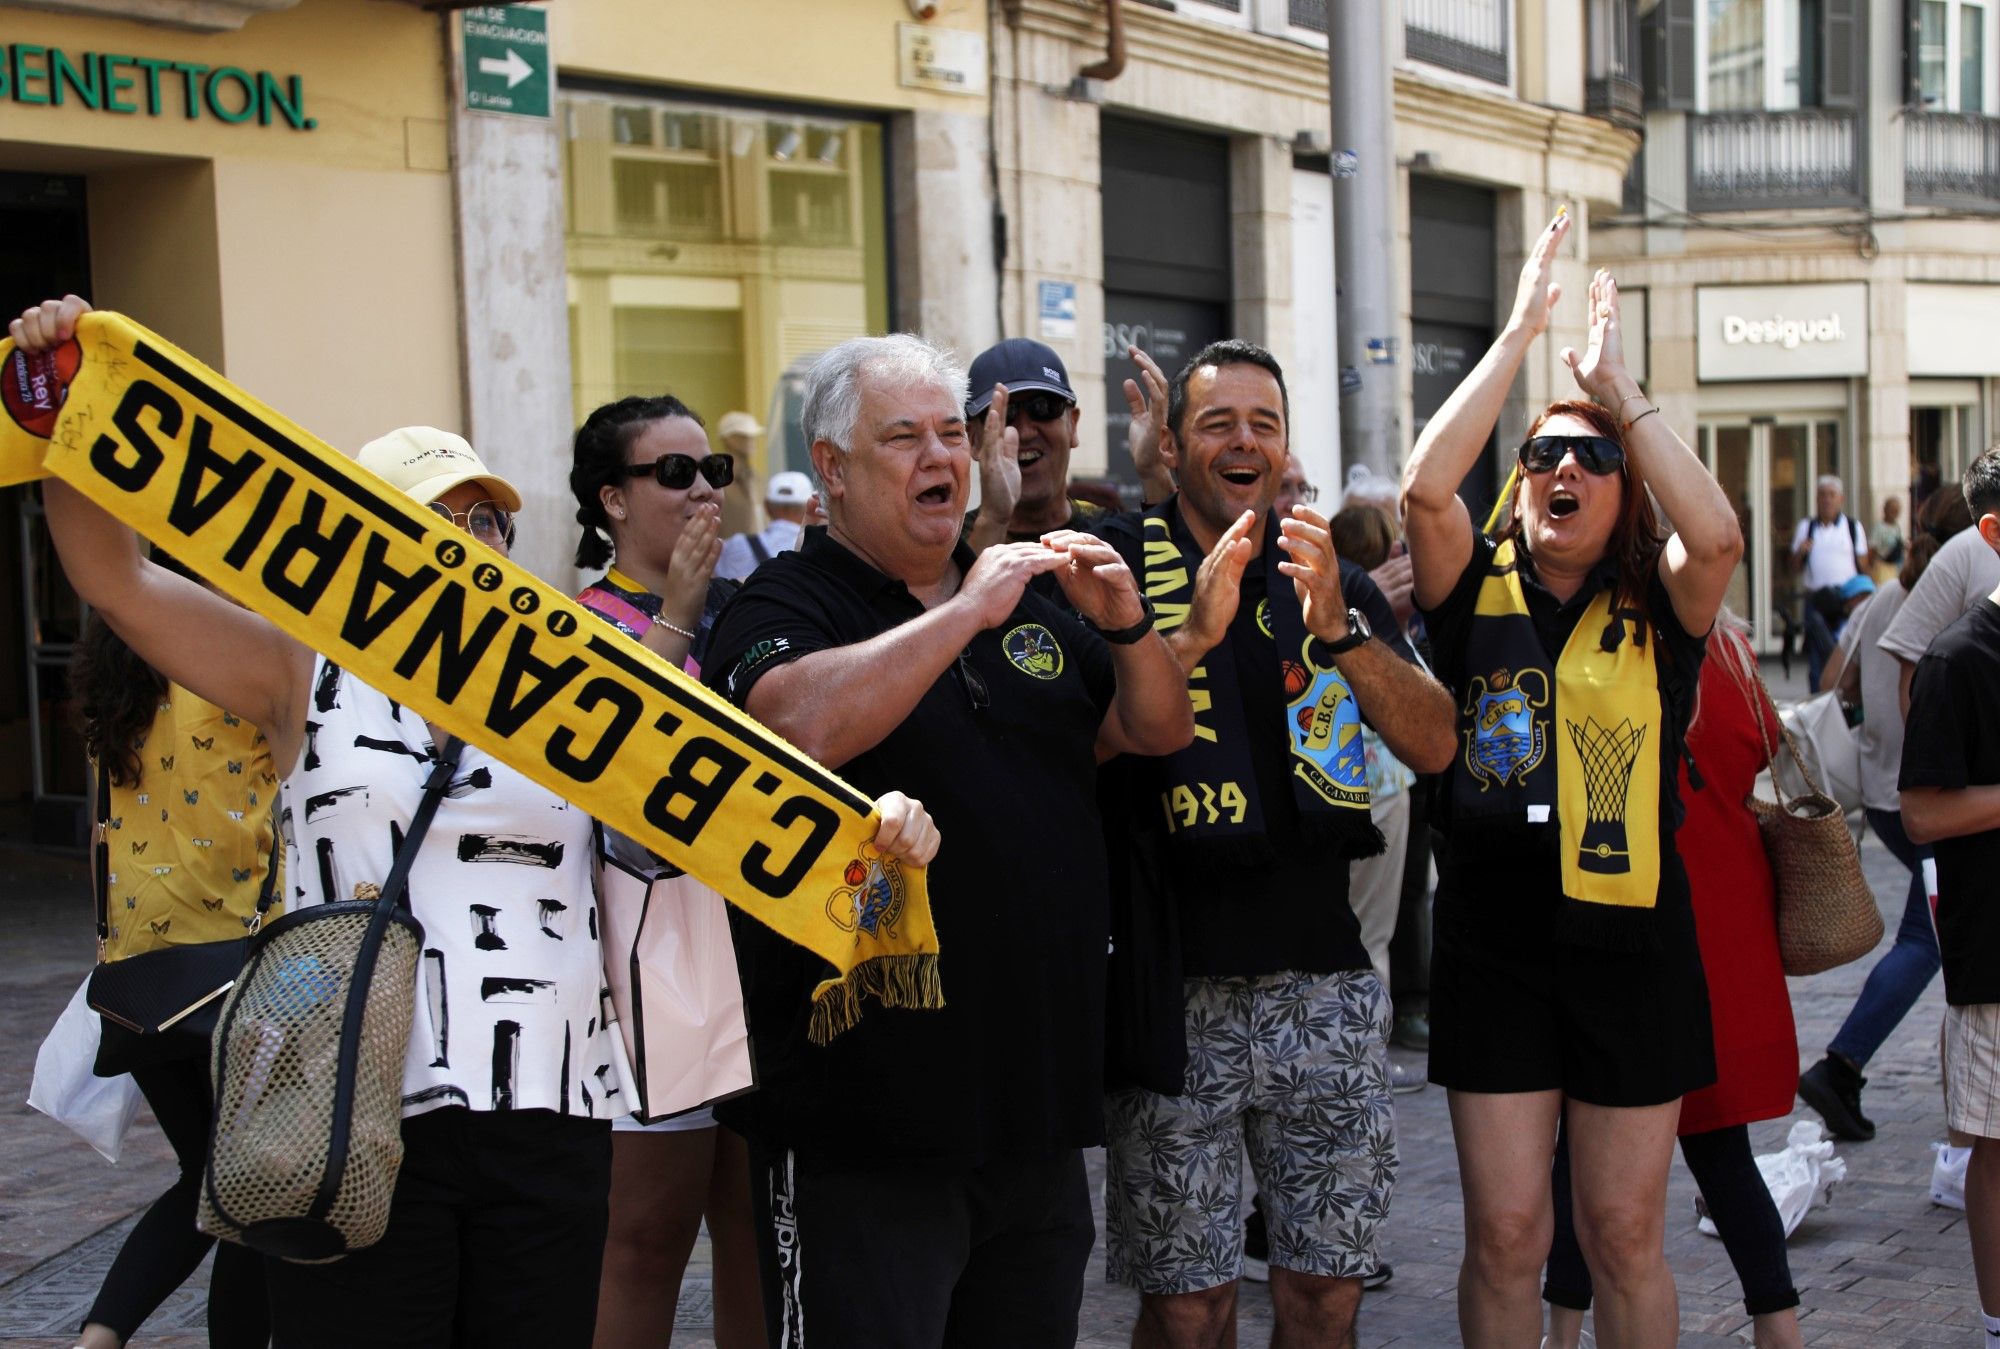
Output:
(1378, 1276)
(1833, 1088)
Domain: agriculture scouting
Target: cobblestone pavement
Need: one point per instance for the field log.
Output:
(1881, 1267)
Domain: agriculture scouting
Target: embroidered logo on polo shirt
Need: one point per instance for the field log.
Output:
(1033, 650)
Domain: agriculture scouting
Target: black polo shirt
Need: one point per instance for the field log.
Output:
(1001, 751)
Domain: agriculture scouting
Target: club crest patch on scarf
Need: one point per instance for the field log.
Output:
(1033, 650)
(872, 899)
(1503, 738)
(1325, 725)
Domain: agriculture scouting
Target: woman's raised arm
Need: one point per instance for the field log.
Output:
(1436, 522)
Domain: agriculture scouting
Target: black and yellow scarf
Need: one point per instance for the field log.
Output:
(1209, 790)
(1600, 713)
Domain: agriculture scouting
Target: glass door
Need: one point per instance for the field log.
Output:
(1767, 468)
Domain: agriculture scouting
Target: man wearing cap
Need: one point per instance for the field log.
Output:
(736, 434)
(920, 1175)
(1024, 445)
(785, 501)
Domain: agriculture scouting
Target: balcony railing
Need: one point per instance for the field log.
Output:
(1617, 99)
(1951, 159)
(1468, 36)
(1752, 160)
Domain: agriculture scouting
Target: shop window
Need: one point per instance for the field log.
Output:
(704, 240)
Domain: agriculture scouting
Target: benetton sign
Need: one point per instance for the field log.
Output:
(104, 82)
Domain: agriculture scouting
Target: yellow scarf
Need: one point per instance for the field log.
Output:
(1608, 719)
(292, 528)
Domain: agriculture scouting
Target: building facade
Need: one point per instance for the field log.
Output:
(1815, 224)
(273, 195)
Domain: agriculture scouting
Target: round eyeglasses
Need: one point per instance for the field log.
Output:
(483, 521)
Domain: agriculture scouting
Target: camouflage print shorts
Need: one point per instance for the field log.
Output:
(1295, 1066)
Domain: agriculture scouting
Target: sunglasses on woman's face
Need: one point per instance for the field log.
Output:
(1594, 454)
(677, 470)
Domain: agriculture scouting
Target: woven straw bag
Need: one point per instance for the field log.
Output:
(307, 1059)
(1826, 912)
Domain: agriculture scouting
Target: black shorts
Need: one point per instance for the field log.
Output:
(1513, 1009)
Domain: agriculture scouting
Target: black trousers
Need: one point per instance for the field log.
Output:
(496, 1238)
(1739, 1202)
(918, 1257)
(165, 1247)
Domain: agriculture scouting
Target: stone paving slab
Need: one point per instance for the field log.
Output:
(1881, 1267)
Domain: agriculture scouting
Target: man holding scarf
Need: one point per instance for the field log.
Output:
(1288, 650)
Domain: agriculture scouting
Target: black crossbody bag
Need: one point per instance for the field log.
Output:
(160, 1006)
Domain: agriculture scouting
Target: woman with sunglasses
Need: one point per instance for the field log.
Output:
(649, 495)
(1566, 977)
(496, 1227)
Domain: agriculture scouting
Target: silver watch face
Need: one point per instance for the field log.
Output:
(1358, 622)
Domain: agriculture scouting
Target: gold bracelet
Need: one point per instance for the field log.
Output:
(1640, 418)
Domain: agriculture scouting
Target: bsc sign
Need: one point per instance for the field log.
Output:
(507, 60)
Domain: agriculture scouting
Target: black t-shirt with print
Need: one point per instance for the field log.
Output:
(1952, 740)
(1239, 920)
(1503, 875)
(1001, 751)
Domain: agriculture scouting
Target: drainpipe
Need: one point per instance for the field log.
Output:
(1365, 182)
(1113, 64)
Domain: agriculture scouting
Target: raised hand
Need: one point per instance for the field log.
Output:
(1095, 579)
(49, 324)
(1314, 566)
(999, 456)
(1536, 295)
(1218, 586)
(1600, 370)
(696, 552)
(1148, 405)
(994, 585)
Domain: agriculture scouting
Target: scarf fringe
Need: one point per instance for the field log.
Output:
(894, 981)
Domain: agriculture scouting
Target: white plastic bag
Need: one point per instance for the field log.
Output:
(1948, 1176)
(98, 1109)
(1800, 1178)
(1828, 747)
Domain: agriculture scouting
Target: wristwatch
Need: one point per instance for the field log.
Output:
(1358, 631)
(1127, 636)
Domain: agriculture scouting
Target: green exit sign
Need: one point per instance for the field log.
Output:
(507, 60)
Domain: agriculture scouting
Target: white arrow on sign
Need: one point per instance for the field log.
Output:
(513, 67)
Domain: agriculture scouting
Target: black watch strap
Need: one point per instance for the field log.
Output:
(1356, 635)
(1127, 636)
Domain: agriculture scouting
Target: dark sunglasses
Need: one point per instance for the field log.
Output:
(677, 470)
(1039, 406)
(1594, 454)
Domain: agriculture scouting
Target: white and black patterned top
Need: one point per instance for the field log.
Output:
(509, 984)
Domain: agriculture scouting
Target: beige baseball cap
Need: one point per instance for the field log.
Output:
(738, 424)
(426, 463)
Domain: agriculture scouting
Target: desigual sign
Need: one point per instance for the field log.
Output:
(1781, 332)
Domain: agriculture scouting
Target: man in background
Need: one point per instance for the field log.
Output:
(1828, 549)
(786, 501)
(736, 434)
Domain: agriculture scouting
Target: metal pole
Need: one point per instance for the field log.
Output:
(1364, 233)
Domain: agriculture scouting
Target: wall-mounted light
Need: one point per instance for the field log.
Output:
(829, 150)
(924, 9)
(787, 146)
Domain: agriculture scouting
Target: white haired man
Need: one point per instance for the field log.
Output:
(921, 1175)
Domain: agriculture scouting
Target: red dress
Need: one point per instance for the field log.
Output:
(1735, 910)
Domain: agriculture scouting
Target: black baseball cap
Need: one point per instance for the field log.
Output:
(1023, 365)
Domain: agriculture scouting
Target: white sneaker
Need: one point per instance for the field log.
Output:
(1255, 1270)
(1406, 1077)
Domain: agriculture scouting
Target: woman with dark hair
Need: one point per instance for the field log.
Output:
(1870, 676)
(1566, 976)
(649, 497)
(1735, 731)
(189, 852)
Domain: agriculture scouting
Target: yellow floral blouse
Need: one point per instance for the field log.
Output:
(189, 845)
